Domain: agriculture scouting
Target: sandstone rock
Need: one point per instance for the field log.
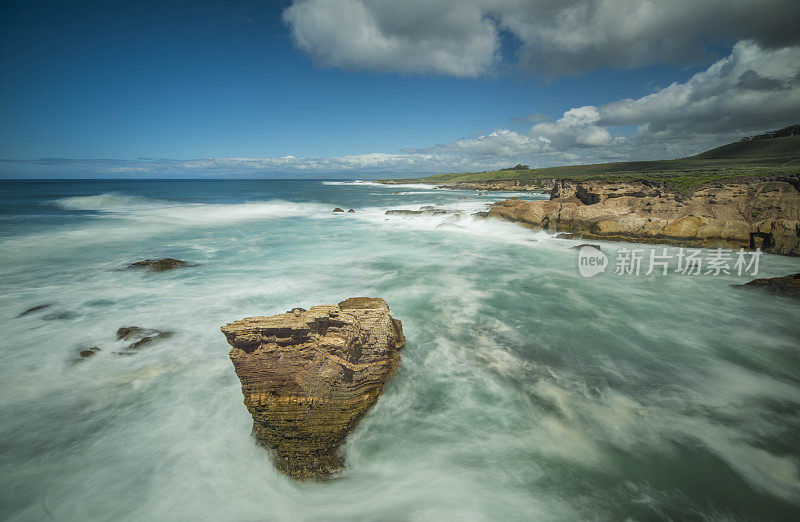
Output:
(159, 265)
(788, 286)
(749, 214)
(309, 376)
(337, 209)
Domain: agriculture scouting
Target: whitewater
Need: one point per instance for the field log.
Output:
(526, 391)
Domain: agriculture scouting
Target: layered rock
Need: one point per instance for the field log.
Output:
(736, 214)
(308, 377)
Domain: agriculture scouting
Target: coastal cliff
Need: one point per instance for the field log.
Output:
(308, 376)
(739, 213)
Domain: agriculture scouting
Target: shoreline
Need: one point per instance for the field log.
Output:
(748, 214)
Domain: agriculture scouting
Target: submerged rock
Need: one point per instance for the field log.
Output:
(34, 309)
(159, 265)
(788, 286)
(309, 376)
(85, 353)
(404, 212)
(140, 336)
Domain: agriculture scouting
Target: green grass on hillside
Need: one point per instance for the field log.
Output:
(746, 158)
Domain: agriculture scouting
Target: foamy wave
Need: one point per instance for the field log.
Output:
(109, 201)
(384, 185)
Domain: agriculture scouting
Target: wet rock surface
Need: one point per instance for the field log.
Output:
(788, 286)
(34, 309)
(158, 265)
(140, 337)
(309, 376)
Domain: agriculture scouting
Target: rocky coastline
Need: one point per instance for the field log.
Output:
(737, 213)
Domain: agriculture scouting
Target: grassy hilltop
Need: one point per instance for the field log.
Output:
(754, 157)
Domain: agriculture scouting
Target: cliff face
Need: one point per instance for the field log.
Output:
(309, 376)
(735, 214)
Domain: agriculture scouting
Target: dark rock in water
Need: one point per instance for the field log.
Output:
(351, 210)
(296, 310)
(140, 336)
(61, 315)
(788, 286)
(159, 265)
(308, 377)
(337, 209)
(404, 212)
(578, 247)
(85, 353)
(34, 309)
(88, 352)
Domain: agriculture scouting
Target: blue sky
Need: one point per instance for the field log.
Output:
(315, 87)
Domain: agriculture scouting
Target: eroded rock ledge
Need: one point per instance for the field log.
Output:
(735, 214)
(309, 376)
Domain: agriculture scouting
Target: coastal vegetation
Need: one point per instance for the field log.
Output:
(745, 158)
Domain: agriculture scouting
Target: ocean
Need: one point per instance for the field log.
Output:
(526, 391)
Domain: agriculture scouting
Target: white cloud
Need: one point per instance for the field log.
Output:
(431, 36)
(463, 37)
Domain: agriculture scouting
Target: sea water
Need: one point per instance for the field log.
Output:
(526, 391)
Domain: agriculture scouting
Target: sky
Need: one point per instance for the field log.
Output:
(364, 88)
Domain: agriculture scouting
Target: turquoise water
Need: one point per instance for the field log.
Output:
(526, 391)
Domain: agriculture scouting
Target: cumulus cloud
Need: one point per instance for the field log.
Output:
(463, 38)
(436, 36)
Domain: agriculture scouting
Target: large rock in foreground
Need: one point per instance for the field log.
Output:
(309, 376)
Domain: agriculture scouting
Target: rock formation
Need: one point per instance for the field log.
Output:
(34, 309)
(337, 209)
(140, 337)
(159, 265)
(788, 286)
(309, 376)
(748, 214)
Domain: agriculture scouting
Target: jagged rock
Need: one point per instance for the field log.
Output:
(309, 376)
(735, 214)
(159, 265)
(337, 209)
(34, 309)
(140, 336)
(788, 286)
